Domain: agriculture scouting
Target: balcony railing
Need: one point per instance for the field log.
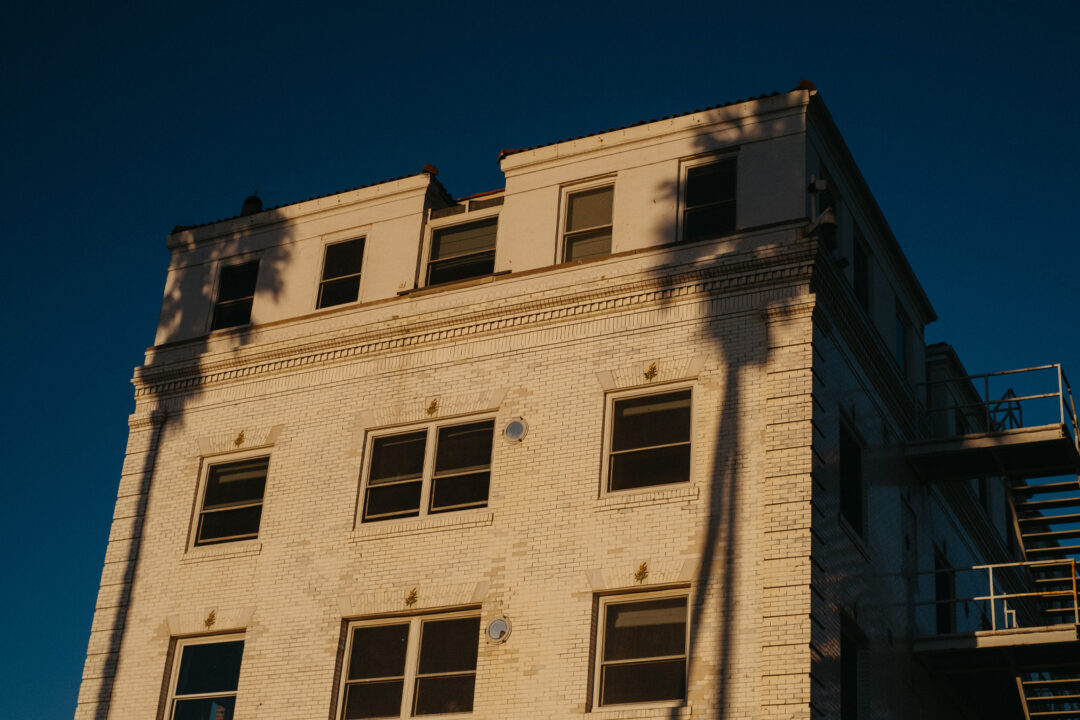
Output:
(1045, 398)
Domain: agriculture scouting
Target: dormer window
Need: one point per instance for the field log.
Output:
(709, 200)
(462, 251)
(587, 228)
(236, 292)
(341, 273)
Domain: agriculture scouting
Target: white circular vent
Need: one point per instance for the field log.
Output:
(516, 430)
(498, 630)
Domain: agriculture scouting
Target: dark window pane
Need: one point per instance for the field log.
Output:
(849, 678)
(373, 700)
(464, 446)
(644, 682)
(588, 244)
(465, 239)
(457, 490)
(222, 525)
(343, 258)
(398, 457)
(400, 500)
(651, 420)
(646, 629)
(205, 709)
(339, 292)
(708, 222)
(589, 209)
(860, 271)
(851, 483)
(235, 482)
(378, 652)
(238, 281)
(444, 694)
(641, 468)
(449, 645)
(231, 315)
(210, 668)
(461, 268)
(707, 184)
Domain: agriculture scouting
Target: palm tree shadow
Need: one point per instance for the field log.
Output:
(181, 344)
(741, 340)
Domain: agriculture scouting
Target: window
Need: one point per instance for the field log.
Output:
(232, 501)
(587, 229)
(236, 291)
(860, 271)
(849, 676)
(709, 200)
(650, 440)
(411, 666)
(462, 251)
(430, 470)
(851, 479)
(903, 340)
(205, 674)
(341, 273)
(642, 651)
(944, 594)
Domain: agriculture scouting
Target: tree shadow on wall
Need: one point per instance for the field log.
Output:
(735, 310)
(166, 385)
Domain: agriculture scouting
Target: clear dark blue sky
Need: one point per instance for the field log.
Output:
(119, 122)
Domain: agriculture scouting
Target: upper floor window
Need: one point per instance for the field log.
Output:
(709, 200)
(642, 649)
(587, 228)
(852, 492)
(411, 666)
(341, 273)
(232, 501)
(462, 251)
(206, 672)
(428, 470)
(902, 345)
(649, 442)
(235, 294)
(860, 270)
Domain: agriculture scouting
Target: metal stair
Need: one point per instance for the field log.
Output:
(1047, 515)
(1051, 693)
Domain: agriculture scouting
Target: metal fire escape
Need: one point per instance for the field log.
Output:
(1030, 609)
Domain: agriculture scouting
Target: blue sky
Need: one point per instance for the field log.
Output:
(119, 122)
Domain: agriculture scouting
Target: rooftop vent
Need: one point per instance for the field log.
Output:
(252, 204)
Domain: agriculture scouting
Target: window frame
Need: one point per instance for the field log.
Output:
(623, 598)
(685, 166)
(321, 283)
(427, 474)
(177, 656)
(564, 209)
(440, 224)
(209, 462)
(412, 655)
(609, 430)
(857, 525)
(221, 268)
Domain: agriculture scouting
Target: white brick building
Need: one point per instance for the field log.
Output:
(710, 343)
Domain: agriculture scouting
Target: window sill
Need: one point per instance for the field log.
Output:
(419, 526)
(631, 712)
(856, 539)
(221, 552)
(629, 499)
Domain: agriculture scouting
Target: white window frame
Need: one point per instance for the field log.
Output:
(564, 208)
(218, 268)
(210, 461)
(337, 239)
(684, 171)
(428, 473)
(603, 602)
(466, 218)
(609, 430)
(178, 655)
(412, 655)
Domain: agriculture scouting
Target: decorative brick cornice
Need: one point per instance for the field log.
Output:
(739, 272)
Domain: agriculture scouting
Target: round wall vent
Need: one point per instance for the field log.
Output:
(498, 630)
(516, 430)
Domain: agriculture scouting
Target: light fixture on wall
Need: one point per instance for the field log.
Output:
(498, 630)
(516, 430)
